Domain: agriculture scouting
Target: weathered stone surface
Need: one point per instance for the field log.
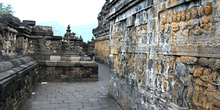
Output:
(55, 58)
(17, 83)
(29, 22)
(63, 63)
(51, 63)
(163, 54)
(74, 58)
(74, 63)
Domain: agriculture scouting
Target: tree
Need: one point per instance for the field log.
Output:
(6, 9)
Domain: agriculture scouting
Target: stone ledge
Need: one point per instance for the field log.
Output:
(7, 65)
(63, 63)
(12, 79)
(55, 58)
(88, 64)
(68, 63)
(74, 63)
(51, 63)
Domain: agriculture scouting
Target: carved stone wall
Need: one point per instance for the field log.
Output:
(164, 54)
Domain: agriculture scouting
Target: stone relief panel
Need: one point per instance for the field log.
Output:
(190, 30)
(8, 42)
(34, 46)
(52, 46)
(168, 55)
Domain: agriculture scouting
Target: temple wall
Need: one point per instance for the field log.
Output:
(164, 54)
(102, 51)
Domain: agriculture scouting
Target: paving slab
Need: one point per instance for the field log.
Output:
(73, 95)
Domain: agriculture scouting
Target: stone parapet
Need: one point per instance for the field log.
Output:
(67, 69)
(17, 80)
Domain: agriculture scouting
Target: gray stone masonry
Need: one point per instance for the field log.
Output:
(74, 95)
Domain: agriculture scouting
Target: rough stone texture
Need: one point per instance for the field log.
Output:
(89, 48)
(54, 56)
(17, 82)
(101, 34)
(68, 70)
(102, 51)
(164, 54)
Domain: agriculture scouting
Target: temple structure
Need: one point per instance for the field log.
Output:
(163, 54)
(30, 53)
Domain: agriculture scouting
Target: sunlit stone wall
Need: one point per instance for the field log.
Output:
(102, 51)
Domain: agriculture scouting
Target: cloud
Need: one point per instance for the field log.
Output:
(74, 12)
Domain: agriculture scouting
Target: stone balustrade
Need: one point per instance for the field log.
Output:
(18, 78)
(68, 69)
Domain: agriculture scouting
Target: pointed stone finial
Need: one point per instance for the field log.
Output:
(68, 28)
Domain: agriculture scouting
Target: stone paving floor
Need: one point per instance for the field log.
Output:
(73, 96)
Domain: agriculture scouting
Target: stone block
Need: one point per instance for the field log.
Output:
(74, 58)
(41, 62)
(24, 60)
(4, 75)
(75, 63)
(51, 63)
(55, 58)
(63, 63)
(85, 59)
(95, 70)
(88, 64)
(64, 58)
(17, 69)
(29, 22)
(16, 62)
(6, 65)
(7, 79)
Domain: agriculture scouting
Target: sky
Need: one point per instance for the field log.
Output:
(73, 12)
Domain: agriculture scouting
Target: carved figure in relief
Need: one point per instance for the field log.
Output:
(213, 95)
(190, 91)
(179, 16)
(194, 23)
(174, 26)
(201, 11)
(167, 30)
(25, 44)
(162, 24)
(206, 22)
(162, 30)
(175, 92)
(197, 92)
(137, 19)
(183, 26)
(13, 45)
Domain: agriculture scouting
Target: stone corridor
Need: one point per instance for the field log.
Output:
(73, 96)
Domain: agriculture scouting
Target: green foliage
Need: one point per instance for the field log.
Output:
(5, 9)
